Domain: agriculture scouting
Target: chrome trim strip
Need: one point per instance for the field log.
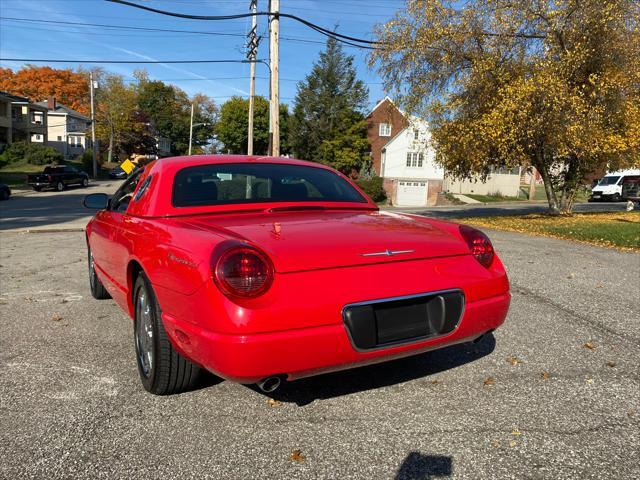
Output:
(387, 253)
(404, 297)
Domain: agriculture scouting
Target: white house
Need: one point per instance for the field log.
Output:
(411, 176)
(66, 129)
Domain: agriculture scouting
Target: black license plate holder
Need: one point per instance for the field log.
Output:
(394, 321)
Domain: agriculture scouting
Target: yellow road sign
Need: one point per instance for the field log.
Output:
(127, 166)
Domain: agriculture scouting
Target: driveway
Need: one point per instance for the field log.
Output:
(29, 210)
(554, 393)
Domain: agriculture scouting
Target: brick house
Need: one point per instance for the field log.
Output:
(383, 123)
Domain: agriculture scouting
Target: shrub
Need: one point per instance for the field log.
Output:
(373, 188)
(87, 160)
(33, 153)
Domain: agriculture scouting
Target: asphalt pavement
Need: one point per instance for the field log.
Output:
(554, 393)
(46, 210)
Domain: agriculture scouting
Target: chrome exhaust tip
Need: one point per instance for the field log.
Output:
(269, 384)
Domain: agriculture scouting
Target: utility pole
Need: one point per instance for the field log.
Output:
(93, 127)
(274, 54)
(191, 129)
(252, 51)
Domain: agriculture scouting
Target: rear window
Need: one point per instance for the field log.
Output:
(54, 169)
(233, 183)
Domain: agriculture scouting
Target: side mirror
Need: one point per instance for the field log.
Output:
(96, 201)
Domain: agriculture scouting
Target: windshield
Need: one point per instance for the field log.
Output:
(609, 180)
(233, 183)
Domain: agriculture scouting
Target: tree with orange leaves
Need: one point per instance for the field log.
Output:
(39, 83)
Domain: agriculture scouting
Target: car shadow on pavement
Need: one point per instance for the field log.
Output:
(424, 467)
(305, 391)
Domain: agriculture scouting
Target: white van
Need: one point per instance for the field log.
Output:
(610, 186)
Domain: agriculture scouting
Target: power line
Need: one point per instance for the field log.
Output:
(50, 60)
(148, 29)
(337, 36)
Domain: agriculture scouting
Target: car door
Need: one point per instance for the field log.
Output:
(109, 244)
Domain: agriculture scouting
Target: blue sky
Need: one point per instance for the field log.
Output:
(20, 39)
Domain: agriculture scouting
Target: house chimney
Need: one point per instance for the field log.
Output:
(51, 103)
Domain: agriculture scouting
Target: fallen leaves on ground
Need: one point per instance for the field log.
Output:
(435, 382)
(489, 381)
(296, 456)
(545, 375)
(273, 402)
(56, 318)
(513, 360)
(590, 345)
(611, 364)
(596, 228)
(516, 432)
(513, 443)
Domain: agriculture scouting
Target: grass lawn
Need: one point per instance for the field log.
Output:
(619, 230)
(493, 198)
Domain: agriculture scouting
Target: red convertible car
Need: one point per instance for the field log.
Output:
(259, 269)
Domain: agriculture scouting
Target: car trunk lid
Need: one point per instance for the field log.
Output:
(310, 240)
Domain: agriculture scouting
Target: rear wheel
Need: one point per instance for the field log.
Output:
(60, 186)
(85, 182)
(4, 194)
(37, 189)
(162, 370)
(97, 289)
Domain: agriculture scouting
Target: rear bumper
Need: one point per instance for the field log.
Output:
(309, 351)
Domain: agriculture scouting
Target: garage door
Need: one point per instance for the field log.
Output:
(411, 194)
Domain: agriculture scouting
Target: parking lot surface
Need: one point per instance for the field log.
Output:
(554, 393)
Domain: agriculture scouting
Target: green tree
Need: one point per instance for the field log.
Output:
(554, 84)
(169, 111)
(232, 127)
(327, 124)
(118, 123)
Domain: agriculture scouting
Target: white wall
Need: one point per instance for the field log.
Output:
(394, 159)
(507, 185)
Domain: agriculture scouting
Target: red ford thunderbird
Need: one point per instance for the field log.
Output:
(259, 269)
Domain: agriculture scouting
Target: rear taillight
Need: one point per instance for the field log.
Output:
(50, 178)
(479, 244)
(243, 272)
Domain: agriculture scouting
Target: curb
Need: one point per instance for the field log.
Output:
(44, 230)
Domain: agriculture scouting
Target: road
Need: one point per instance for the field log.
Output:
(512, 208)
(29, 210)
(554, 393)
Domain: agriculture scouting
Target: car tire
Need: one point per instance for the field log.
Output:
(95, 285)
(37, 189)
(4, 195)
(85, 182)
(163, 371)
(615, 197)
(60, 186)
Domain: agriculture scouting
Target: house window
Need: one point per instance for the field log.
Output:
(59, 138)
(415, 159)
(416, 134)
(385, 130)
